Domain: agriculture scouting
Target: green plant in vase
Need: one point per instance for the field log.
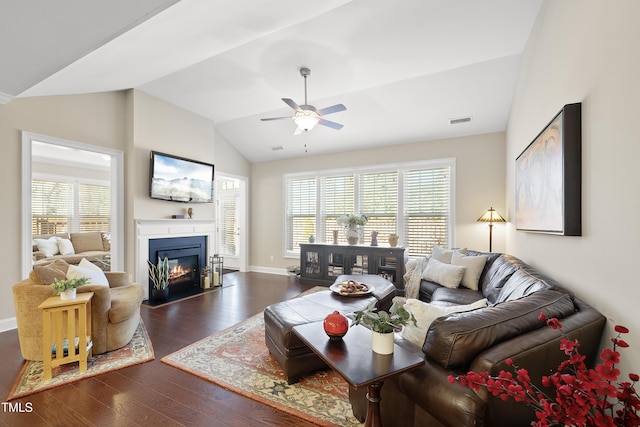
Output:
(67, 288)
(159, 275)
(383, 324)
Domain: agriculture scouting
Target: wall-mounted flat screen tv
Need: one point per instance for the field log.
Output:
(179, 179)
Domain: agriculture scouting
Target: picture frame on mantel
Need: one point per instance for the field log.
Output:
(549, 177)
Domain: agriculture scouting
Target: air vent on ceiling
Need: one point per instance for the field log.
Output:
(460, 120)
(277, 148)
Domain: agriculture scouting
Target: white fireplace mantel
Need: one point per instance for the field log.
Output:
(165, 228)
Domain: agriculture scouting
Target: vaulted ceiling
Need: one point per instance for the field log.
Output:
(403, 69)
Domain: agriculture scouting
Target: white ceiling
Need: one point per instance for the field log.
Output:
(402, 69)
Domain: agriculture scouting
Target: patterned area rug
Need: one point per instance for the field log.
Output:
(30, 380)
(237, 359)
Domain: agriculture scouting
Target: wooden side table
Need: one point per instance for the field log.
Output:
(69, 321)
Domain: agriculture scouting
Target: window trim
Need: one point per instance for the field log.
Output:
(399, 167)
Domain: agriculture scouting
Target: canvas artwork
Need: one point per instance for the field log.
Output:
(539, 182)
(548, 177)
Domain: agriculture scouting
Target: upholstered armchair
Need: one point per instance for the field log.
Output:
(115, 309)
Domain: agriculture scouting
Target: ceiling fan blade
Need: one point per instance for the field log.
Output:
(333, 109)
(275, 118)
(334, 125)
(298, 131)
(291, 103)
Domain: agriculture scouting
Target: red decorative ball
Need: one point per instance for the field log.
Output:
(336, 325)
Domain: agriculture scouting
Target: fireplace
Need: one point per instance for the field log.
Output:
(187, 257)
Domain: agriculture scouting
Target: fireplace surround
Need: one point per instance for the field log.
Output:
(187, 256)
(147, 230)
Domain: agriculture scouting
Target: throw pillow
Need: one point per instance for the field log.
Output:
(444, 255)
(85, 263)
(47, 274)
(447, 275)
(96, 277)
(48, 246)
(473, 266)
(65, 246)
(425, 313)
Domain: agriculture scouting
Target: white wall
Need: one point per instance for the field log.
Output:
(587, 51)
(479, 184)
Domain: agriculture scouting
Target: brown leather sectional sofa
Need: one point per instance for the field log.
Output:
(481, 340)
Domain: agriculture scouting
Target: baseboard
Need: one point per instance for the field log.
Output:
(8, 324)
(268, 270)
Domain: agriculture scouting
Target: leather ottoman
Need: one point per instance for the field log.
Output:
(294, 357)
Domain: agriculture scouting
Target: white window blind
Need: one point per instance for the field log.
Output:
(427, 205)
(94, 207)
(378, 199)
(300, 212)
(51, 206)
(337, 198)
(413, 200)
(228, 204)
(69, 206)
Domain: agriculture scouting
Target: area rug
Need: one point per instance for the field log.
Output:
(237, 359)
(31, 380)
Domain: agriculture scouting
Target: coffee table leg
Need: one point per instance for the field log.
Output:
(373, 407)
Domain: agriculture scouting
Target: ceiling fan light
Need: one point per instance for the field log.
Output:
(306, 122)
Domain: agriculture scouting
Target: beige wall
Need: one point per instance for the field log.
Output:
(586, 51)
(130, 121)
(479, 183)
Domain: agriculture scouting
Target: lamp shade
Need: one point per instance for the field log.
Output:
(491, 216)
(306, 120)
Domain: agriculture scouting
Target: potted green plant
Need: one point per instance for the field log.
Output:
(159, 275)
(383, 324)
(67, 287)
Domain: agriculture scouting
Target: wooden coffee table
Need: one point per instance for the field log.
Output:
(354, 360)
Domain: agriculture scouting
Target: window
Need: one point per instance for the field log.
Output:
(413, 200)
(59, 204)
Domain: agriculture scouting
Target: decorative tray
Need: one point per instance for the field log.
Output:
(351, 288)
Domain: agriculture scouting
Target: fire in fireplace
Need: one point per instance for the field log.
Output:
(187, 257)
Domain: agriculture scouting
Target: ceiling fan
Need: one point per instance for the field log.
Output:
(306, 116)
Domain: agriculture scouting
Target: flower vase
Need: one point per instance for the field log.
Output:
(353, 233)
(382, 343)
(69, 294)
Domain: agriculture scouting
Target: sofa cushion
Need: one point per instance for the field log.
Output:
(425, 313)
(454, 341)
(455, 296)
(48, 246)
(443, 274)
(520, 284)
(47, 274)
(444, 255)
(496, 275)
(96, 276)
(473, 266)
(65, 247)
(87, 241)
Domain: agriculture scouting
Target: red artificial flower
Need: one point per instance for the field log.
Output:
(584, 397)
(621, 329)
(554, 323)
(610, 357)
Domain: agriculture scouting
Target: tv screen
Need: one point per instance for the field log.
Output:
(180, 180)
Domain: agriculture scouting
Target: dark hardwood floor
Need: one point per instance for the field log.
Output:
(155, 394)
